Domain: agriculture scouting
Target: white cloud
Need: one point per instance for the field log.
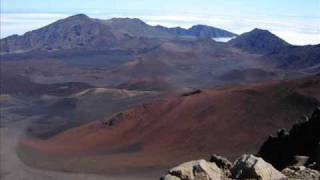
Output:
(19, 23)
(298, 31)
(298, 38)
(223, 39)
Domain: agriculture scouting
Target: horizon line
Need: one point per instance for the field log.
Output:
(60, 16)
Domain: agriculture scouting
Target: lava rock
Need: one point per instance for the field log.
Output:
(302, 140)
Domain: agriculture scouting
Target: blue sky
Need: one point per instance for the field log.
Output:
(297, 21)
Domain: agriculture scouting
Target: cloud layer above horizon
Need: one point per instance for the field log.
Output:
(298, 23)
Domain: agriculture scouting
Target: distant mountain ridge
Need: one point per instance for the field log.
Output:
(296, 57)
(82, 31)
(276, 51)
(74, 31)
(259, 41)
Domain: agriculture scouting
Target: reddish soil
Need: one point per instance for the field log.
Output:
(226, 122)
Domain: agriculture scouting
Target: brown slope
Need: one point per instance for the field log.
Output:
(181, 63)
(228, 122)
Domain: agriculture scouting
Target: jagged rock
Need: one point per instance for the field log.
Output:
(196, 170)
(283, 133)
(221, 162)
(251, 167)
(299, 146)
(315, 163)
(302, 140)
(301, 172)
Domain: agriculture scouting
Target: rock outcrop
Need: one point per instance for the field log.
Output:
(195, 170)
(301, 172)
(299, 146)
(246, 167)
(251, 167)
(221, 162)
(295, 152)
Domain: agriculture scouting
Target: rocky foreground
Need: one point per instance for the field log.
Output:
(302, 144)
(246, 167)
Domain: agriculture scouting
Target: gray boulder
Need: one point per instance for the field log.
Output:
(251, 167)
(301, 172)
(195, 170)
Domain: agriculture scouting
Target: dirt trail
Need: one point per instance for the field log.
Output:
(12, 168)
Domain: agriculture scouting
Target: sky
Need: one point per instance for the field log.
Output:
(296, 21)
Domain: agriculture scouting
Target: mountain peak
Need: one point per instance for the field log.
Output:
(200, 26)
(263, 32)
(260, 30)
(259, 41)
(127, 20)
(77, 17)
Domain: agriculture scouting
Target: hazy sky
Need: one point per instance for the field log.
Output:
(296, 21)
